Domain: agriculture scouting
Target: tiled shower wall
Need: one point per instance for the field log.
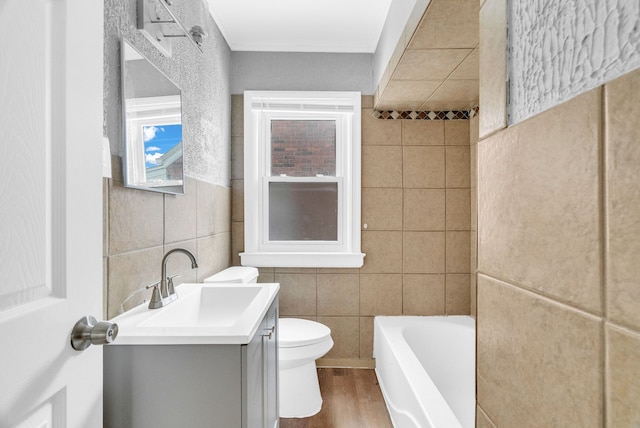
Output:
(558, 287)
(140, 226)
(558, 325)
(416, 205)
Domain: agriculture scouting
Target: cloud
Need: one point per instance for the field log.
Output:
(150, 132)
(153, 149)
(153, 158)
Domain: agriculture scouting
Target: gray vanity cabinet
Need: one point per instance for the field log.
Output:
(195, 386)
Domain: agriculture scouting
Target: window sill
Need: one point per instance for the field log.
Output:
(310, 260)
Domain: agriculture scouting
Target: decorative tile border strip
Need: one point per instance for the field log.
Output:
(426, 115)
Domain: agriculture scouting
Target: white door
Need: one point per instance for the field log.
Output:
(50, 210)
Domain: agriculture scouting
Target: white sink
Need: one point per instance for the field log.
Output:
(202, 314)
(211, 306)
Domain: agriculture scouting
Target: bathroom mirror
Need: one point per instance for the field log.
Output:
(152, 122)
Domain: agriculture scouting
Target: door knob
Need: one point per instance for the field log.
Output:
(88, 331)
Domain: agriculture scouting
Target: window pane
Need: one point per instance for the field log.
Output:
(303, 148)
(303, 211)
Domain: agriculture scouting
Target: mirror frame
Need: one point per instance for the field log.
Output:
(159, 102)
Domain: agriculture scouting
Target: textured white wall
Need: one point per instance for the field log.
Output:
(562, 48)
(203, 78)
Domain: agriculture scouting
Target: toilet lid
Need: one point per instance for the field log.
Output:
(299, 332)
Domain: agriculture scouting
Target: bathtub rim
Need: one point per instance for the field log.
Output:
(432, 404)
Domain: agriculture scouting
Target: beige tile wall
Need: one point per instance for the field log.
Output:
(434, 65)
(493, 66)
(140, 227)
(416, 204)
(558, 294)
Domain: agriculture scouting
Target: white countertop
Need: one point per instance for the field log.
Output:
(202, 314)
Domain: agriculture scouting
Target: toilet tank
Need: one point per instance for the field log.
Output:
(239, 274)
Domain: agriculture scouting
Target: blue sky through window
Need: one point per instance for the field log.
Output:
(158, 140)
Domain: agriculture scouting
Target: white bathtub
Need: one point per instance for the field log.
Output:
(426, 370)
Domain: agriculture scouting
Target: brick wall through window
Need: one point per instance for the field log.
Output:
(303, 148)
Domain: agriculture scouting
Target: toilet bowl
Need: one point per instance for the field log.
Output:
(300, 343)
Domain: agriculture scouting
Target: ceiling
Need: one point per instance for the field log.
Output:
(301, 25)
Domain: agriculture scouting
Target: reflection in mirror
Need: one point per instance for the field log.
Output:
(152, 109)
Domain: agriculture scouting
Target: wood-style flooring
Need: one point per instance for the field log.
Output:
(351, 399)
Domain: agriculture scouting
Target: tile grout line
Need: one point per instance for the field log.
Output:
(604, 237)
(550, 299)
(444, 131)
(402, 208)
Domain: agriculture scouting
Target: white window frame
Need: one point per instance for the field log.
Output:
(262, 107)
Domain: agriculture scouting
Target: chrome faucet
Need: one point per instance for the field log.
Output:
(167, 293)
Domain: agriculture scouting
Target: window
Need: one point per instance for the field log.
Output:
(302, 179)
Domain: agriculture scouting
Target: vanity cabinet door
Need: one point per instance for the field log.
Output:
(271, 367)
(253, 384)
(260, 361)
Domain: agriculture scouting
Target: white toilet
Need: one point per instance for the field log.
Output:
(301, 343)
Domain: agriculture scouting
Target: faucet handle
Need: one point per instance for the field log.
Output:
(156, 298)
(170, 288)
(154, 284)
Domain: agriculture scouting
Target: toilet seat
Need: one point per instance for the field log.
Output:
(295, 332)
(301, 342)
